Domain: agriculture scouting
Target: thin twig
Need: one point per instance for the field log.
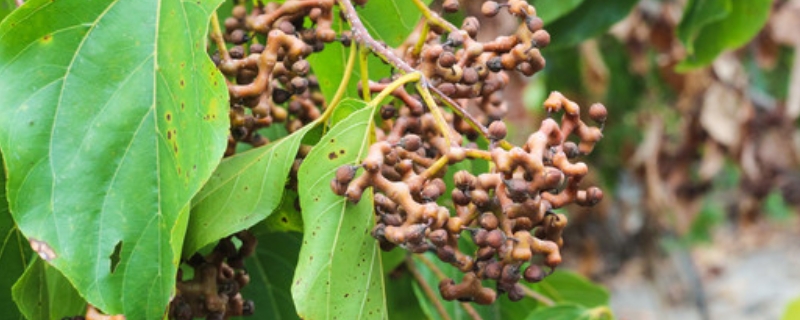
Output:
(471, 311)
(362, 36)
(426, 288)
(537, 296)
(428, 263)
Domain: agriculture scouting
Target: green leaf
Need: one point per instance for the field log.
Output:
(345, 109)
(6, 6)
(245, 189)
(698, 14)
(792, 310)
(44, 293)
(743, 22)
(401, 300)
(569, 287)
(590, 19)
(339, 273)
(570, 312)
(285, 219)
(14, 253)
(120, 118)
(390, 21)
(271, 273)
(392, 259)
(551, 10)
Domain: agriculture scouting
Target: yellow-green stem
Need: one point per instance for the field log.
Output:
(364, 74)
(432, 17)
(441, 123)
(423, 36)
(458, 110)
(394, 85)
(478, 154)
(216, 35)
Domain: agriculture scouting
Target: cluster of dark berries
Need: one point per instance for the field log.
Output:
(462, 67)
(507, 212)
(270, 82)
(214, 290)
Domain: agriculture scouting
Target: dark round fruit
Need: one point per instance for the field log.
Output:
(490, 8)
(345, 174)
(598, 113)
(534, 273)
(496, 238)
(541, 39)
(497, 130)
(447, 59)
(488, 221)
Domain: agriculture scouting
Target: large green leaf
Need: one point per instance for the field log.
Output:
(6, 6)
(339, 273)
(390, 21)
(111, 118)
(551, 10)
(244, 190)
(698, 14)
(743, 22)
(271, 275)
(14, 253)
(590, 19)
(400, 298)
(569, 287)
(43, 293)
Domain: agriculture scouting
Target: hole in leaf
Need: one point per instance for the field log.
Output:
(115, 256)
(43, 249)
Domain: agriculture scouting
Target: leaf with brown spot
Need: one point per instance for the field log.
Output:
(246, 187)
(335, 271)
(102, 169)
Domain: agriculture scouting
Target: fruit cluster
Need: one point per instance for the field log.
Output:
(508, 212)
(214, 290)
(271, 82)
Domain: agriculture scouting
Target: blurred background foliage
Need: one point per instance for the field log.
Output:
(701, 154)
